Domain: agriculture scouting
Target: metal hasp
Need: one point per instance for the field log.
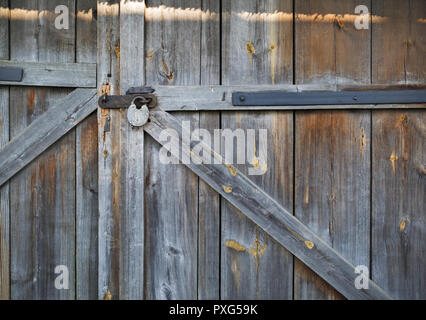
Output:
(11, 74)
(312, 98)
(140, 95)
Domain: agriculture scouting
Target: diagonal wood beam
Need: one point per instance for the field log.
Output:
(265, 212)
(46, 130)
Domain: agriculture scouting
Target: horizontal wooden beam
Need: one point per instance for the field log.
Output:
(40, 74)
(264, 211)
(219, 98)
(45, 131)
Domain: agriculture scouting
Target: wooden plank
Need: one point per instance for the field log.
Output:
(43, 193)
(398, 38)
(219, 98)
(121, 227)
(108, 30)
(399, 203)
(171, 207)
(209, 200)
(4, 139)
(332, 152)
(398, 186)
(257, 49)
(48, 74)
(87, 213)
(130, 143)
(45, 131)
(263, 210)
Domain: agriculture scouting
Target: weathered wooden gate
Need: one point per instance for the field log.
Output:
(144, 230)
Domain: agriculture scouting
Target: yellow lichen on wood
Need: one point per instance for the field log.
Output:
(258, 250)
(393, 158)
(309, 244)
(232, 170)
(251, 51)
(227, 189)
(108, 295)
(235, 245)
(255, 162)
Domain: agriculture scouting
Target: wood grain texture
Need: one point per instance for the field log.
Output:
(108, 30)
(173, 55)
(4, 139)
(399, 190)
(398, 194)
(263, 210)
(128, 142)
(209, 200)
(257, 49)
(43, 194)
(47, 74)
(332, 148)
(398, 31)
(87, 166)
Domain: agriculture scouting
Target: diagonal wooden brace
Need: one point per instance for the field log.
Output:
(46, 130)
(268, 214)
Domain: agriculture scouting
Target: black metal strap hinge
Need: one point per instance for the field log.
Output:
(312, 98)
(11, 74)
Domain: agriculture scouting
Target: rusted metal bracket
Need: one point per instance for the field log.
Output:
(139, 95)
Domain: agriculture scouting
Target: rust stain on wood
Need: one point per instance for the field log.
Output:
(363, 141)
(167, 72)
(31, 100)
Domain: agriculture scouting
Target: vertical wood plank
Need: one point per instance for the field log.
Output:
(332, 152)
(108, 31)
(171, 190)
(86, 166)
(42, 194)
(209, 200)
(398, 186)
(4, 139)
(129, 142)
(257, 49)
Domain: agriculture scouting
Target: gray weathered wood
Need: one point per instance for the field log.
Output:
(43, 193)
(332, 152)
(208, 199)
(45, 131)
(219, 98)
(49, 74)
(87, 212)
(4, 139)
(108, 29)
(399, 205)
(399, 157)
(264, 211)
(171, 208)
(258, 49)
(129, 142)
